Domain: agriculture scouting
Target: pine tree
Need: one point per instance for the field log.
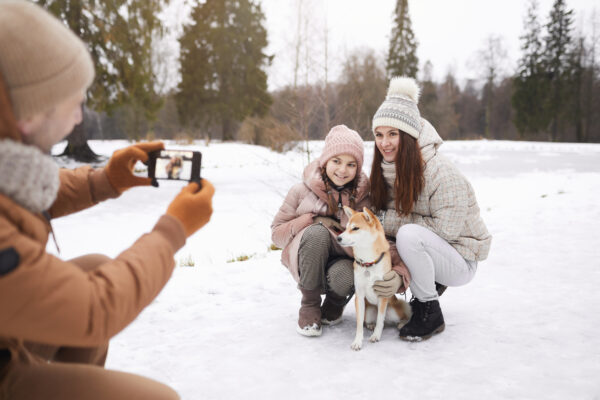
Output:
(222, 61)
(529, 84)
(402, 55)
(119, 35)
(556, 64)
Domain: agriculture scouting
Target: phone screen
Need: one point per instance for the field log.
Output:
(175, 165)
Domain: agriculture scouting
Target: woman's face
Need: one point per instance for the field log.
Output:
(341, 169)
(387, 140)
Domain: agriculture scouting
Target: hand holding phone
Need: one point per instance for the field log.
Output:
(119, 169)
(193, 206)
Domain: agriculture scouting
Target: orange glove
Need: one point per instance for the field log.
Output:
(119, 169)
(193, 207)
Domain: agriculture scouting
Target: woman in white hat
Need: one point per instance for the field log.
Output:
(427, 205)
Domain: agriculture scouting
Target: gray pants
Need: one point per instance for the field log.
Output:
(430, 259)
(321, 266)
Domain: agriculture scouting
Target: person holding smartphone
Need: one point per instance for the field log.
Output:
(309, 221)
(57, 316)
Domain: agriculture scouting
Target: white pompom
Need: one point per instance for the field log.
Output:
(404, 86)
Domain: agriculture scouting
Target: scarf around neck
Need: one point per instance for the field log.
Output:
(28, 176)
(389, 175)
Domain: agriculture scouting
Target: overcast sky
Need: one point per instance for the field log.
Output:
(449, 33)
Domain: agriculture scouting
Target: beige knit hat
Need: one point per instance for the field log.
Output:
(343, 140)
(41, 60)
(399, 109)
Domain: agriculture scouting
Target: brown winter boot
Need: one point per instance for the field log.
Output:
(332, 309)
(309, 320)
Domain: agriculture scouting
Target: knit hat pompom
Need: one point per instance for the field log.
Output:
(403, 86)
(42, 61)
(343, 140)
(399, 109)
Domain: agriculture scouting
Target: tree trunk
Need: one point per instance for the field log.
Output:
(77, 146)
(227, 129)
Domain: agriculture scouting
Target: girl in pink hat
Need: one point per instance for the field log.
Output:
(309, 221)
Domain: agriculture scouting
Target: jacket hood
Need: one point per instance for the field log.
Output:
(313, 180)
(429, 140)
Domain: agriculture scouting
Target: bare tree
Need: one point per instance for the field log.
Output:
(492, 64)
(361, 90)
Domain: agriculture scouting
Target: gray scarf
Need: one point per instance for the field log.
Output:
(389, 175)
(28, 176)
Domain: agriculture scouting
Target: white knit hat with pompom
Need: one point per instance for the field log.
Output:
(399, 109)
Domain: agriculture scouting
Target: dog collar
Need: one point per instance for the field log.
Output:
(369, 264)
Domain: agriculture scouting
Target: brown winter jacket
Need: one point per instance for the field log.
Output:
(48, 300)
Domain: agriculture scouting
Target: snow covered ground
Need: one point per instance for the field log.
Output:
(525, 328)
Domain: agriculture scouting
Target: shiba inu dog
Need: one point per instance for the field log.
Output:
(372, 260)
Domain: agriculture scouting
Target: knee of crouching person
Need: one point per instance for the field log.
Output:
(316, 232)
(407, 238)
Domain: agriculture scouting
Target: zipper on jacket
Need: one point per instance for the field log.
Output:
(46, 215)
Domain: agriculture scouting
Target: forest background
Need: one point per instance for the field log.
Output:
(219, 86)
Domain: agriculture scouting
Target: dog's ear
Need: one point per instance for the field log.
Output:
(349, 212)
(369, 216)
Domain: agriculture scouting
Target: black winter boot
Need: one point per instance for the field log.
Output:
(426, 321)
(440, 289)
(332, 308)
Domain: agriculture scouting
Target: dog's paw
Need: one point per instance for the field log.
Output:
(370, 326)
(374, 338)
(356, 346)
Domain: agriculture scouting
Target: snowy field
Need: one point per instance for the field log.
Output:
(527, 326)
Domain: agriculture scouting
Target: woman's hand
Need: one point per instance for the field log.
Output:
(389, 285)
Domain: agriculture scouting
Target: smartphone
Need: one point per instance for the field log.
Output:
(183, 165)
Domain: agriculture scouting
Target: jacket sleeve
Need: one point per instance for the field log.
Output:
(52, 301)
(79, 189)
(448, 206)
(287, 223)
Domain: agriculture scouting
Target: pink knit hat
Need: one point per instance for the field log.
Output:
(343, 140)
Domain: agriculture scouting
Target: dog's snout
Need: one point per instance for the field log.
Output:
(339, 238)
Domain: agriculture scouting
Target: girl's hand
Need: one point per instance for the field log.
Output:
(328, 223)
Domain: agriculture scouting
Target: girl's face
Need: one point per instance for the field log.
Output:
(341, 169)
(387, 140)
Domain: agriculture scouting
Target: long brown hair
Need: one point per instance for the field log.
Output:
(409, 176)
(331, 200)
